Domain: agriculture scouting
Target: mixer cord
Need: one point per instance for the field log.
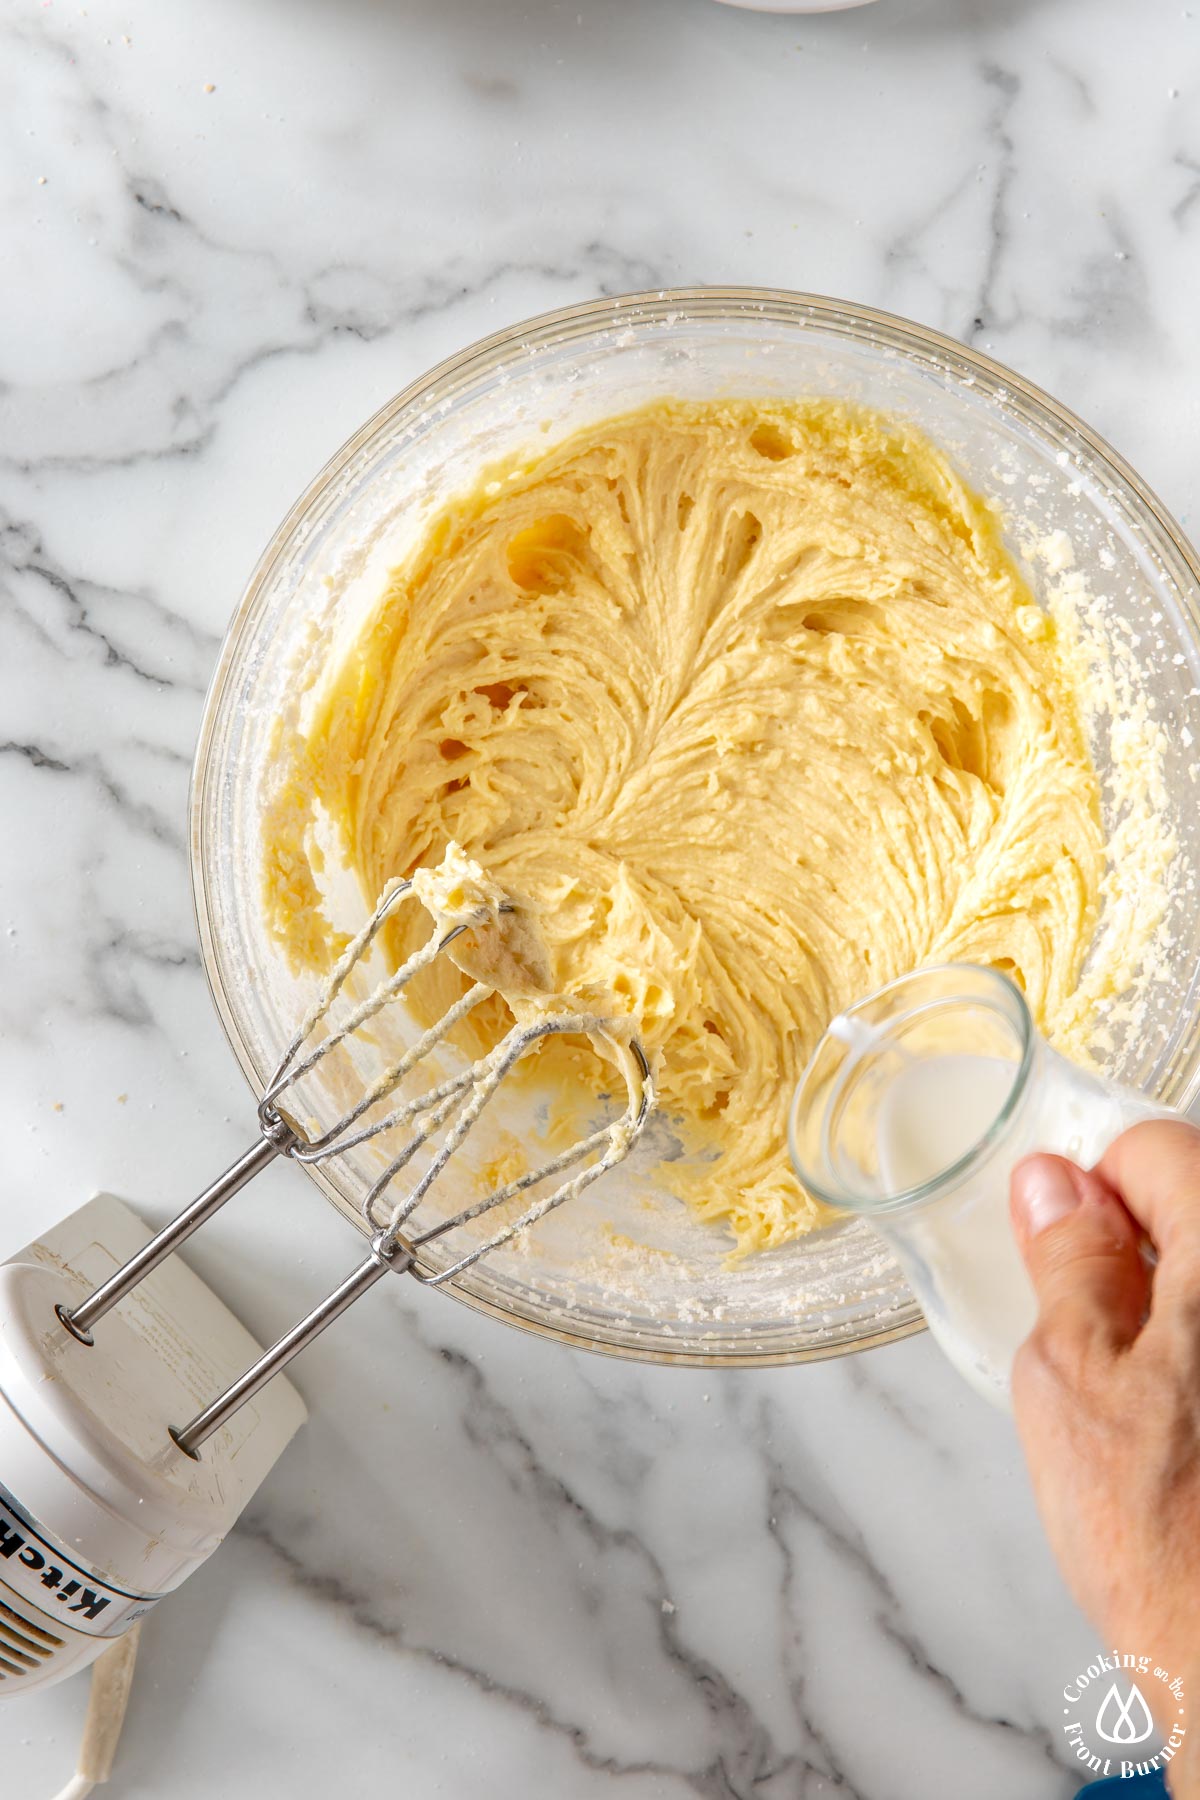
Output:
(112, 1678)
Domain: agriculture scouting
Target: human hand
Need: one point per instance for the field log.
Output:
(1106, 1391)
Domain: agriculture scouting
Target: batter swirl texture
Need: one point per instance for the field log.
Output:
(752, 704)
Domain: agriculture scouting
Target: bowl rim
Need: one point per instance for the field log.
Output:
(919, 344)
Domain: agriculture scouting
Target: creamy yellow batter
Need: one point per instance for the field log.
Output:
(752, 704)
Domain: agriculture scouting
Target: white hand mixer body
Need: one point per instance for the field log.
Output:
(100, 1514)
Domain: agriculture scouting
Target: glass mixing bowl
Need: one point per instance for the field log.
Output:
(625, 1269)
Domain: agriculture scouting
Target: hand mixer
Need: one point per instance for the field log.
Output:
(114, 1487)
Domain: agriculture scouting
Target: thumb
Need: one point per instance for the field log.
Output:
(1081, 1248)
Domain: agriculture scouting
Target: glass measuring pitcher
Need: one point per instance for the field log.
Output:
(912, 1113)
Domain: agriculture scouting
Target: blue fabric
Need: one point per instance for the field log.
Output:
(1134, 1787)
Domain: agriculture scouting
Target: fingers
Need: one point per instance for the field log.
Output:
(1080, 1247)
(1155, 1167)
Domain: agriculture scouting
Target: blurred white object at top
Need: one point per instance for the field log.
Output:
(796, 6)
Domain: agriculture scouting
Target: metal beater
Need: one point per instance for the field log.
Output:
(106, 1506)
(452, 1105)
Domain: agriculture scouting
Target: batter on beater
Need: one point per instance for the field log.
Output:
(751, 704)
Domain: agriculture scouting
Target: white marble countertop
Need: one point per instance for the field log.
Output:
(490, 1566)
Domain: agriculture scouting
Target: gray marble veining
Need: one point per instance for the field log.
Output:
(489, 1565)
